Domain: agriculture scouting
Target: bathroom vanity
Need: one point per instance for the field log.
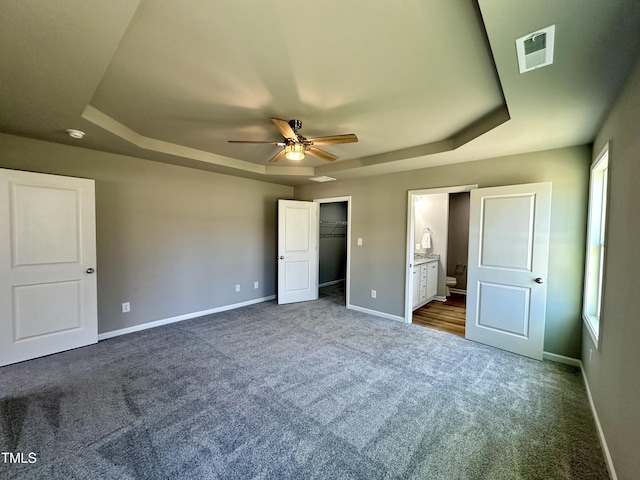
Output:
(425, 280)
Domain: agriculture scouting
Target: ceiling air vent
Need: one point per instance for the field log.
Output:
(536, 49)
(322, 178)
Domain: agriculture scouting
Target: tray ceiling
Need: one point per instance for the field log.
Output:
(420, 83)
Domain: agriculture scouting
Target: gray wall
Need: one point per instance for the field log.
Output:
(333, 243)
(379, 217)
(170, 240)
(458, 248)
(614, 370)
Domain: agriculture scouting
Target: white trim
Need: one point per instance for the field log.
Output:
(332, 282)
(376, 313)
(458, 290)
(595, 338)
(554, 357)
(596, 212)
(180, 318)
(603, 442)
(440, 298)
(347, 280)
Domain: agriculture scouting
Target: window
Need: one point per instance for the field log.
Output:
(594, 268)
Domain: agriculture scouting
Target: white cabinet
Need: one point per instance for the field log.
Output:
(425, 283)
(416, 286)
(432, 279)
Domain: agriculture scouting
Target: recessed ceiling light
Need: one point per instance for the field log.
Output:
(322, 178)
(73, 133)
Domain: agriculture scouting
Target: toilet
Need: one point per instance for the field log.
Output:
(450, 282)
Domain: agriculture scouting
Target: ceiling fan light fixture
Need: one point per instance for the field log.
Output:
(296, 146)
(294, 151)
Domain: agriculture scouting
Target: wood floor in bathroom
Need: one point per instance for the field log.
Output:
(446, 316)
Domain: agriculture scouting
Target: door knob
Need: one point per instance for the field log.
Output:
(538, 280)
(281, 257)
(90, 271)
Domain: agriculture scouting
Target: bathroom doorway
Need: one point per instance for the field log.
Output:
(437, 242)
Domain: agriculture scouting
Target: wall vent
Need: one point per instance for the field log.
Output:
(535, 50)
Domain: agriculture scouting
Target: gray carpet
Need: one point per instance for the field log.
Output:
(302, 391)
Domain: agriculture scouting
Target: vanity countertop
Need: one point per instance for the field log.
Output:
(420, 259)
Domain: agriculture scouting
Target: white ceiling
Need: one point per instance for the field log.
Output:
(420, 82)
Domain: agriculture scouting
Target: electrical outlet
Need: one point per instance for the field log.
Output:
(374, 294)
(255, 285)
(237, 288)
(126, 307)
(359, 242)
(590, 355)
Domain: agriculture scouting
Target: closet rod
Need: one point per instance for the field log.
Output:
(333, 222)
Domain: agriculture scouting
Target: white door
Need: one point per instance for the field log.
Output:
(508, 260)
(297, 251)
(48, 299)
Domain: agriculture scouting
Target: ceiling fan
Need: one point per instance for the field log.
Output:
(296, 145)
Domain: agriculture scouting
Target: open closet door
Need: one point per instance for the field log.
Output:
(48, 289)
(508, 262)
(297, 251)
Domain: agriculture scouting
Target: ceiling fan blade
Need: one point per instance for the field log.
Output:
(285, 128)
(316, 152)
(282, 144)
(333, 139)
(277, 156)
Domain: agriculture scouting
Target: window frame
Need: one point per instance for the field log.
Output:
(596, 243)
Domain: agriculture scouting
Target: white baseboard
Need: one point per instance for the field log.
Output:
(332, 282)
(180, 318)
(603, 440)
(376, 313)
(554, 357)
(440, 298)
(458, 290)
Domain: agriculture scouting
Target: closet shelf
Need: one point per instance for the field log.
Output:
(332, 228)
(333, 222)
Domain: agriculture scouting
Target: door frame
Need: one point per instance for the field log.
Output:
(347, 281)
(411, 197)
